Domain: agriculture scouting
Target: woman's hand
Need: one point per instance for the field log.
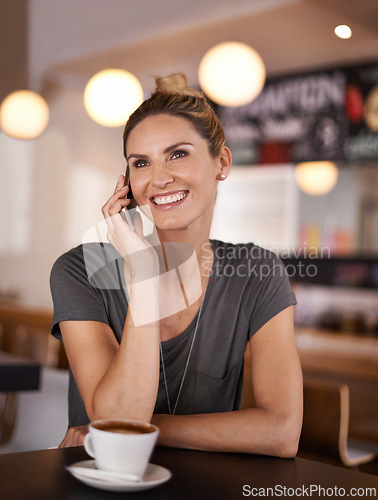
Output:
(140, 259)
(74, 436)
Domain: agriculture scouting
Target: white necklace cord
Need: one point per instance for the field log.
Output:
(186, 365)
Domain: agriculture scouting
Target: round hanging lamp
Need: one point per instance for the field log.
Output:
(343, 31)
(24, 114)
(111, 95)
(316, 177)
(232, 74)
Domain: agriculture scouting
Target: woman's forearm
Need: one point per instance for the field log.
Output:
(129, 387)
(252, 430)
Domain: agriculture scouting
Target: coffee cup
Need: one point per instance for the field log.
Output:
(121, 445)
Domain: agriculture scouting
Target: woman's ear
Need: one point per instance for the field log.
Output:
(225, 161)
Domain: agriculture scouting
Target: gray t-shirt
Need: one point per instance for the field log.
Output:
(247, 287)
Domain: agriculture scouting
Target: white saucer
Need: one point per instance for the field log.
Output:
(154, 475)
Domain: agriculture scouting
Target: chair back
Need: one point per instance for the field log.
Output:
(325, 416)
(326, 422)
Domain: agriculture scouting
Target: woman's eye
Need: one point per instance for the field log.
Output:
(178, 154)
(140, 163)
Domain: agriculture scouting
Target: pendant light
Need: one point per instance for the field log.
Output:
(24, 114)
(232, 74)
(111, 95)
(343, 31)
(316, 178)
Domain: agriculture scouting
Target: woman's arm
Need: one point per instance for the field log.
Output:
(271, 428)
(121, 380)
(114, 381)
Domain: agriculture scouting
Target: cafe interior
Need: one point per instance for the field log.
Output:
(300, 114)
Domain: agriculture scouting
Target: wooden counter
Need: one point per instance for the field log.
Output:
(338, 353)
(195, 474)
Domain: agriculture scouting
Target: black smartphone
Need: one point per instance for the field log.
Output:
(130, 209)
(130, 196)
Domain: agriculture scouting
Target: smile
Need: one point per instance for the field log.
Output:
(172, 198)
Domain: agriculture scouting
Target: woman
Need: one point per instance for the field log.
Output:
(166, 343)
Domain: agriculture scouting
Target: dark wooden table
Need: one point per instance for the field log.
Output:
(18, 374)
(41, 475)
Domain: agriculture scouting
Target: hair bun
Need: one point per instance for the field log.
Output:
(176, 83)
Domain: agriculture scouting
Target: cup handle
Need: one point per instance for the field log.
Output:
(88, 445)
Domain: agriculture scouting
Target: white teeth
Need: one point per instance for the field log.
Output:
(164, 200)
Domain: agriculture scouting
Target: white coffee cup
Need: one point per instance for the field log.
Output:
(121, 445)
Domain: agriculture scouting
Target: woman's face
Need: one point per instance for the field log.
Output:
(172, 174)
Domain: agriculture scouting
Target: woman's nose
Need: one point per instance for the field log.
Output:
(161, 177)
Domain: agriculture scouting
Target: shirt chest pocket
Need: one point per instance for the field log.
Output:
(212, 395)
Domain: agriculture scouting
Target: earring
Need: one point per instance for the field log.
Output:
(223, 176)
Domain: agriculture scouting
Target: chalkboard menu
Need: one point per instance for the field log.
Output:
(324, 115)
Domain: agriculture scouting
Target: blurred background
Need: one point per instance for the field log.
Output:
(319, 103)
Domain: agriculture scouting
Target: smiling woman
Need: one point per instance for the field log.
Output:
(172, 173)
(159, 332)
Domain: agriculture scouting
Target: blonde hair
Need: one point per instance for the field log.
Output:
(173, 96)
(176, 83)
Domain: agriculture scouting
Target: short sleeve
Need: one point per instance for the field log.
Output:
(274, 293)
(74, 297)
